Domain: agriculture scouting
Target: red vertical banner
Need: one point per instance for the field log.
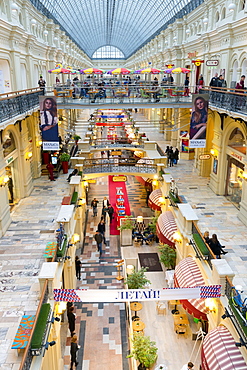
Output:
(198, 121)
(49, 122)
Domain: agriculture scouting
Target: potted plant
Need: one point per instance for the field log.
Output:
(144, 350)
(137, 280)
(76, 138)
(64, 158)
(126, 227)
(152, 226)
(167, 256)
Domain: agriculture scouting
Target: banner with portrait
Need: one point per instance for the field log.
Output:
(198, 121)
(49, 122)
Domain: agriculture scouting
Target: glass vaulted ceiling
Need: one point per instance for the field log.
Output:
(125, 24)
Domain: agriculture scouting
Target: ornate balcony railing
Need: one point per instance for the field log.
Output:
(15, 103)
(228, 99)
(119, 165)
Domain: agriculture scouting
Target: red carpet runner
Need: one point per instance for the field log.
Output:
(113, 187)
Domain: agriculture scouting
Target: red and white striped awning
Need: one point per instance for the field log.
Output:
(220, 352)
(154, 200)
(188, 274)
(166, 227)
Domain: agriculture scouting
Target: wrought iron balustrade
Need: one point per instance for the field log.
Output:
(228, 99)
(15, 103)
(119, 165)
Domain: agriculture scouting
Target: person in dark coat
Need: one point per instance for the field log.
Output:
(215, 246)
(170, 157)
(71, 320)
(73, 352)
(73, 173)
(78, 267)
(176, 156)
(99, 239)
(94, 205)
(101, 228)
(105, 206)
(111, 212)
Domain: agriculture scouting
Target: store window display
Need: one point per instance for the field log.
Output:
(8, 144)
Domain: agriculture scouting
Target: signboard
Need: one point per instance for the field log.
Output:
(198, 121)
(49, 122)
(119, 179)
(132, 295)
(212, 63)
(116, 152)
(204, 156)
(198, 62)
(239, 157)
(91, 181)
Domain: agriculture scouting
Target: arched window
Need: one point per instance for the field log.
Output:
(241, 5)
(108, 52)
(217, 17)
(237, 141)
(223, 14)
(8, 143)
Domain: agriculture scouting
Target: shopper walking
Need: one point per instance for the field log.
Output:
(94, 205)
(73, 352)
(78, 267)
(176, 156)
(50, 169)
(170, 157)
(71, 320)
(105, 206)
(99, 239)
(188, 366)
(101, 228)
(186, 86)
(111, 212)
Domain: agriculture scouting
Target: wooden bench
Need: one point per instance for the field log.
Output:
(50, 250)
(23, 333)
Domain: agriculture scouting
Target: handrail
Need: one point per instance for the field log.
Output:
(18, 93)
(25, 365)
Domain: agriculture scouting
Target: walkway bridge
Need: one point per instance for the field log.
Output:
(92, 168)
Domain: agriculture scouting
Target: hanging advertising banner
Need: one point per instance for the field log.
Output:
(49, 122)
(198, 121)
(132, 295)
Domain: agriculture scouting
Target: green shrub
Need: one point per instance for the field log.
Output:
(137, 280)
(64, 157)
(61, 252)
(144, 350)
(39, 331)
(167, 256)
(74, 197)
(201, 244)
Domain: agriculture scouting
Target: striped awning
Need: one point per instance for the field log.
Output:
(188, 274)
(154, 200)
(166, 227)
(220, 352)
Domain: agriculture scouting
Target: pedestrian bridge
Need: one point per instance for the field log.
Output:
(92, 168)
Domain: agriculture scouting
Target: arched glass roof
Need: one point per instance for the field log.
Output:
(126, 24)
(108, 52)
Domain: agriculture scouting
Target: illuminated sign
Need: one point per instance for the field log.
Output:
(239, 157)
(119, 178)
(212, 63)
(116, 152)
(9, 160)
(204, 156)
(91, 181)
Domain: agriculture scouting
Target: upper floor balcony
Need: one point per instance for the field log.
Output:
(18, 103)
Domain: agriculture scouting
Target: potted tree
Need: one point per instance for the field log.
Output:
(167, 256)
(76, 138)
(144, 350)
(64, 158)
(126, 227)
(137, 280)
(152, 226)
